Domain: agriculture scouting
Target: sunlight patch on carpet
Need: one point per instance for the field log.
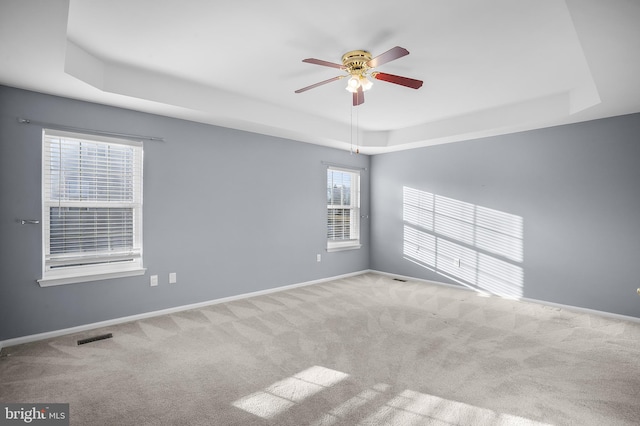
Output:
(284, 394)
(351, 405)
(411, 407)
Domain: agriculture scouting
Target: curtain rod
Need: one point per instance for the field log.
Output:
(95, 132)
(344, 166)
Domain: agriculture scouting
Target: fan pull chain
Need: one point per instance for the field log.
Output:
(357, 133)
(351, 131)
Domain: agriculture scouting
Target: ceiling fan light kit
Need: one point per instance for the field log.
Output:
(358, 64)
(355, 82)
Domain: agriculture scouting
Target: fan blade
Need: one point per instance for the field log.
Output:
(358, 97)
(324, 63)
(403, 81)
(388, 56)
(304, 89)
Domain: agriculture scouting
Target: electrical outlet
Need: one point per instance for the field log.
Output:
(154, 280)
(172, 278)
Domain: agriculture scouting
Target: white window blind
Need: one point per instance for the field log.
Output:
(343, 209)
(92, 206)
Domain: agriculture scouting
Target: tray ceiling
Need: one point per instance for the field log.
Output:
(490, 67)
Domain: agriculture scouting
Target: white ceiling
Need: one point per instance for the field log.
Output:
(489, 67)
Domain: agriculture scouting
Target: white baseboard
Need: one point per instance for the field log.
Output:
(524, 299)
(115, 321)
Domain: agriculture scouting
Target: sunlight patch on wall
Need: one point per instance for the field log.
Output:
(284, 394)
(473, 245)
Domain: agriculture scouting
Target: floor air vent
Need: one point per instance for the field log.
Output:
(95, 338)
(398, 279)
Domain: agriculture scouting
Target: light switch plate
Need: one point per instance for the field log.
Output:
(172, 278)
(154, 280)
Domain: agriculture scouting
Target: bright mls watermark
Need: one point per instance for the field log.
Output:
(34, 414)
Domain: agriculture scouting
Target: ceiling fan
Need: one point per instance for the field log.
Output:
(358, 65)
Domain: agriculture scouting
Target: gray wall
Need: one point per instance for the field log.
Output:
(254, 219)
(576, 189)
(230, 212)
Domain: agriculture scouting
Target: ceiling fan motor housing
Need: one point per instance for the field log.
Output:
(356, 61)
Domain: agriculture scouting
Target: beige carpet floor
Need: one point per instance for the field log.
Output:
(366, 350)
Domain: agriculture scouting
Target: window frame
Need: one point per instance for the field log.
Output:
(117, 266)
(354, 207)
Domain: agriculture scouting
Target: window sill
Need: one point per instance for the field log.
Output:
(73, 279)
(343, 247)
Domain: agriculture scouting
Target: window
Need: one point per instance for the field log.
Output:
(343, 209)
(91, 207)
